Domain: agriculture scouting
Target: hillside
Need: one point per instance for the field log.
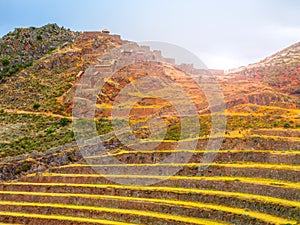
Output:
(20, 48)
(280, 71)
(251, 178)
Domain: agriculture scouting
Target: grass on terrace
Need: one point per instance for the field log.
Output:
(26, 133)
(158, 215)
(238, 123)
(198, 205)
(240, 195)
(249, 180)
(247, 165)
(22, 133)
(63, 218)
(9, 223)
(176, 138)
(123, 152)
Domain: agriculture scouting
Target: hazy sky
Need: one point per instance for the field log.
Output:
(222, 33)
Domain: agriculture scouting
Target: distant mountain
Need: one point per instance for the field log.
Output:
(280, 70)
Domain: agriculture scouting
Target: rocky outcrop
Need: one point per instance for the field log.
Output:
(21, 47)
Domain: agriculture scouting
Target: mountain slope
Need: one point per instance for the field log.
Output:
(45, 89)
(251, 178)
(20, 48)
(280, 71)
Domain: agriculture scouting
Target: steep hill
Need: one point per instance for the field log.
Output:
(251, 177)
(20, 48)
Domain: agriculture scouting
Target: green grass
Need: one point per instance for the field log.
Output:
(235, 124)
(104, 126)
(33, 133)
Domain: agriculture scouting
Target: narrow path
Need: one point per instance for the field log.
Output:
(36, 113)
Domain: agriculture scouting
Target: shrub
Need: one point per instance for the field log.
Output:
(18, 171)
(173, 133)
(70, 158)
(14, 69)
(72, 134)
(64, 121)
(104, 126)
(51, 49)
(5, 61)
(4, 46)
(26, 167)
(39, 37)
(28, 64)
(50, 131)
(36, 106)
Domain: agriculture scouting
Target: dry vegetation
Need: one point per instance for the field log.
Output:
(254, 178)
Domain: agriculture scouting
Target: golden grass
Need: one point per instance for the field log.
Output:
(229, 113)
(249, 180)
(276, 137)
(124, 106)
(220, 135)
(261, 216)
(36, 113)
(103, 106)
(10, 223)
(246, 196)
(272, 152)
(279, 129)
(152, 214)
(265, 108)
(65, 218)
(112, 82)
(294, 111)
(245, 165)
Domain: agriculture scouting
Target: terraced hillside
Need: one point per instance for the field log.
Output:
(253, 178)
(239, 187)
